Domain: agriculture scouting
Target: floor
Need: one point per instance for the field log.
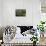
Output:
(43, 41)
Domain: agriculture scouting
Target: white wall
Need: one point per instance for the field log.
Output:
(0, 13)
(32, 12)
(36, 12)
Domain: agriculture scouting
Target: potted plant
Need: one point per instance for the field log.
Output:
(34, 39)
(41, 27)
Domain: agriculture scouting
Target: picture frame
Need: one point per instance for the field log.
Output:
(20, 12)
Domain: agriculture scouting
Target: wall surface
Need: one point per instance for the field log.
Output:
(32, 12)
(8, 14)
(0, 11)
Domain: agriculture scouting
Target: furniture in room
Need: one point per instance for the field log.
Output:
(20, 38)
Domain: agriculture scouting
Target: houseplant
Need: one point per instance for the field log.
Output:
(34, 39)
(41, 27)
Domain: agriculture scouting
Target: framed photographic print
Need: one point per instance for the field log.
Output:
(20, 12)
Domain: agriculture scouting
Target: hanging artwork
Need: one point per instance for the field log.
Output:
(20, 12)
